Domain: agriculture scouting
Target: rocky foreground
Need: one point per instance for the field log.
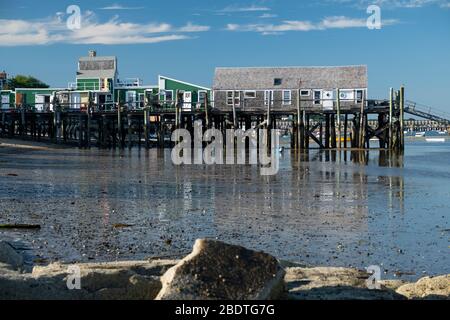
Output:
(214, 270)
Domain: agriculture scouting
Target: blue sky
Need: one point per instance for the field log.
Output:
(188, 39)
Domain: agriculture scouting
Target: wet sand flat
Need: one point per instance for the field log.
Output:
(323, 208)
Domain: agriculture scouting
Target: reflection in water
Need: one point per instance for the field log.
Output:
(328, 207)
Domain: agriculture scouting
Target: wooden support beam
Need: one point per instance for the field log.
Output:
(307, 130)
(361, 129)
(299, 134)
(310, 134)
(391, 120)
(88, 120)
(130, 130)
(146, 137)
(401, 118)
(345, 130)
(80, 130)
(338, 110)
(206, 111)
(333, 131)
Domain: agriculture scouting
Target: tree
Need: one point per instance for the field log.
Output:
(21, 81)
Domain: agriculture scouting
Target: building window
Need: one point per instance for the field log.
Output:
(268, 93)
(250, 94)
(305, 93)
(168, 96)
(346, 94)
(237, 98)
(131, 99)
(202, 97)
(287, 97)
(317, 94)
(359, 96)
(230, 98)
(141, 100)
(277, 81)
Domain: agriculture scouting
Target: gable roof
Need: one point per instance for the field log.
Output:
(261, 78)
(97, 67)
(182, 82)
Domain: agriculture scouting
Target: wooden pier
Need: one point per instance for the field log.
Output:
(342, 126)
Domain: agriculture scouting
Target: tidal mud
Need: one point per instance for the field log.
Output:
(322, 208)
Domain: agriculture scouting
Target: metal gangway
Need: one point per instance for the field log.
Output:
(427, 112)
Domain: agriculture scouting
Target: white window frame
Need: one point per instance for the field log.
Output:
(236, 96)
(362, 95)
(314, 97)
(286, 102)
(305, 95)
(198, 95)
(165, 96)
(253, 92)
(266, 97)
(275, 80)
(341, 91)
(130, 103)
(141, 99)
(229, 100)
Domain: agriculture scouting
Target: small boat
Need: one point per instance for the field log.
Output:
(420, 134)
(435, 139)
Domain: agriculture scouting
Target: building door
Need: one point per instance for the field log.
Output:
(75, 100)
(131, 99)
(101, 101)
(141, 100)
(5, 101)
(187, 100)
(327, 99)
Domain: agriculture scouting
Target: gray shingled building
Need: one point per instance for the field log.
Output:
(93, 67)
(254, 88)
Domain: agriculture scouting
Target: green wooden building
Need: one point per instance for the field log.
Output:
(97, 81)
(193, 96)
(39, 99)
(135, 96)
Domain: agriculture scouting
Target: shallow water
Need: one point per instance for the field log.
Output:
(324, 208)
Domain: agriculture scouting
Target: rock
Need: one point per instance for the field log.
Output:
(9, 256)
(392, 284)
(216, 270)
(114, 280)
(427, 288)
(328, 283)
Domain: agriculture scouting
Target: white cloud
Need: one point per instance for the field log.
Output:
(252, 8)
(114, 31)
(116, 6)
(391, 4)
(267, 16)
(339, 22)
(189, 27)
